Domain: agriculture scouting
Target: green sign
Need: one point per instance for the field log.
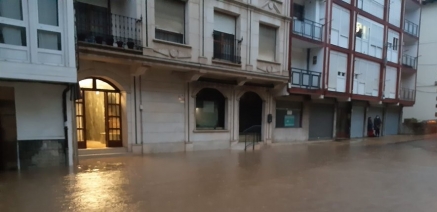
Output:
(289, 121)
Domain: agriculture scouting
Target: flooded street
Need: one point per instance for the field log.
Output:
(315, 177)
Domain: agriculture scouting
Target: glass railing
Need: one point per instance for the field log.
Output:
(409, 61)
(411, 28)
(301, 78)
(407, 94)
(307, 28)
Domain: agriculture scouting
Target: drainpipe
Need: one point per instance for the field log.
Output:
(64, 115)
(135, 110)
(141, 115)
(203, 28)
(147, 26)
(308, 58)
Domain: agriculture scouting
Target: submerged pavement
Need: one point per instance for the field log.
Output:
(318, 177)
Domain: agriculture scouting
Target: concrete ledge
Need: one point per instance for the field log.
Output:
(150, 148)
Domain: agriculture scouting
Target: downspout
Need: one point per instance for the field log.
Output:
(141, 115)
(203, 28)
(308, 58)
(147, 27)
(135, 110)
(64, 115)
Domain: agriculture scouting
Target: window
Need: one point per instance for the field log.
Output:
(267, 43)
(395, 43)
(288, 114)
(48, 30)
(11, 9)
(340, 26)
(170, 20)
(298, 11)
(210, 110)
(13, 35)
(362, 31)
(226, 46)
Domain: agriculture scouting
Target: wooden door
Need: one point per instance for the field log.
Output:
(113, 119)
(80, 123)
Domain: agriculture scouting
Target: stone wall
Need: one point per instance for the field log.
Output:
(42, 153)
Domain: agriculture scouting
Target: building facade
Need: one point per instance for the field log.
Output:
(425, 107)
(174, 75)
(37, 72)
(354, 59)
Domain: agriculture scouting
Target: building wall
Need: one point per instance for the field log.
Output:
(288, 135)
(425, 106)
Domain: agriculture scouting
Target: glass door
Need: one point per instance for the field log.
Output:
(80, 123)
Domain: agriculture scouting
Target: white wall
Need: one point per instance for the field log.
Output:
(340, 26)
(38, 110)
(395, 12)
(316, 52)
(299, 58)
(390, 82)
(366, 77)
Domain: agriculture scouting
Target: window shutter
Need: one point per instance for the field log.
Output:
(224, 23)
(170, 15)
(267, 43)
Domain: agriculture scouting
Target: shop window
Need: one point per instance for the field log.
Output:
(288, 114)
(210, 110)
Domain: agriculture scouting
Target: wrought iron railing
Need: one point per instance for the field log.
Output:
(409, 61)
(302, 78)
(308, 28)
(226, 47)
(411, 28)
(169, 36)
(98, 25)
(407, 94)
(252, 136)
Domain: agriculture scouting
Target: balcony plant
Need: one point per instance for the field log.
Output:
(110, 41)
(130, 44)
(99, 39)
(120, 43)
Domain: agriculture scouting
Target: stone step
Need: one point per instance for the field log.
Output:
(105, 151)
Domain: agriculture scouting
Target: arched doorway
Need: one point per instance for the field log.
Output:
(98, 115)
(250, 117)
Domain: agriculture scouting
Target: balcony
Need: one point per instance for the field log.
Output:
(411, 28)
(307, 28)
(226, 47)
(409, 61)
(407, 94)
(301, 78)
(98, 26)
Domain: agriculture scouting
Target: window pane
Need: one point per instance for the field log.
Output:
(11, 9)
(103, 85)
(48, 12)
(49, 40)
(86, 83)
(267, 43)
(288, 114)
(12, 35)
(210, 110)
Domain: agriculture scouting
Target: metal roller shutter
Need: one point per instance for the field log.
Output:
(391, 121)
(357, 121)
(321, 121)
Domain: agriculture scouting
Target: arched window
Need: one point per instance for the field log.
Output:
(210, 110)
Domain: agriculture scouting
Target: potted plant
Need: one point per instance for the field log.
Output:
(81, 37)
(130, 44)
(120, 43)
(99, 39)
(110, 41)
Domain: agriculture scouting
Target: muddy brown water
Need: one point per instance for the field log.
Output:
(399, 177)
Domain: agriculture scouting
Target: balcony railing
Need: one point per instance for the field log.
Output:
(301, 78)
(98, 25)
(411, 28)
(226, 47)
(407, 94)
(308, 29)
(409, 61)
(169, 36)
